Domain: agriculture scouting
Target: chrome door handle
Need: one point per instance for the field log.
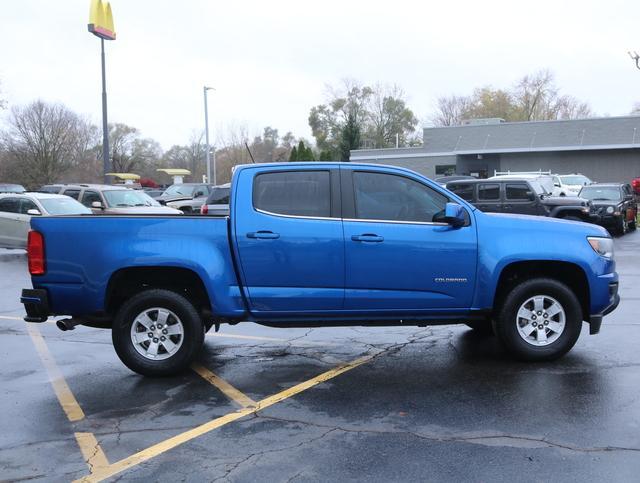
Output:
(263, 235)
(367, 237)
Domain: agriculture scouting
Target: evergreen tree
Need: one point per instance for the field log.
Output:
(294, 154)
(349, 137)
(326, 156)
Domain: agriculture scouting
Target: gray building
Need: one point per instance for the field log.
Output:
(604, 149)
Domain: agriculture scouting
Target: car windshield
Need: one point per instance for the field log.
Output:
(11, 188)
(575, 179)
(126, 198)
(601, 193)
(63, 206)
(219, 196)
(180, 190)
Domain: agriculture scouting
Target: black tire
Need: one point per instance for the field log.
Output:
(508, 321)
(633, 224)
(622, 227)
(183, 311)
(483, 327)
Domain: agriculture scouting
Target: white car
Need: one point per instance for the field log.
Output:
(16, 210)
(570, 184)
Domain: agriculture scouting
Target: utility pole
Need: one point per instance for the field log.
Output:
(206, 136)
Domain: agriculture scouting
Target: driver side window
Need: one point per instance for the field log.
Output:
(387, 197)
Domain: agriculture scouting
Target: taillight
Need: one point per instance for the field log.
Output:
(204, 209)
(35, 253)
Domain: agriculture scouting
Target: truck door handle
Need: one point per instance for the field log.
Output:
(367, 237)
(263, 235)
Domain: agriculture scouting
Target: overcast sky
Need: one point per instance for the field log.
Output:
(271, 60)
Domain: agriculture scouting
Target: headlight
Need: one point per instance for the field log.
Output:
(602, 246)
(609, 209)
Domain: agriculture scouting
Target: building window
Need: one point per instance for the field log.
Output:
(445, 169)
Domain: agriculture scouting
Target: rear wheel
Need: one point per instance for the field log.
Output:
(157, 333)
(622, 226)
(540, 320)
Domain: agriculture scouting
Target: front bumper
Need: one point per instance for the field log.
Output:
(595, 320)
(36, 304)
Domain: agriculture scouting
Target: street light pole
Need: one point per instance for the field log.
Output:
(206, 135)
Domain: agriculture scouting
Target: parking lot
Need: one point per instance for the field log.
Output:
(381, 404)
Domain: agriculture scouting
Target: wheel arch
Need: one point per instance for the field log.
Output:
(128, 281)
(568, 273)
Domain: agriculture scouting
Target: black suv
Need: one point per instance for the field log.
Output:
(614, 204)
(526, 197)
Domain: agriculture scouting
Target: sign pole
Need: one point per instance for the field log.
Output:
(105, 126)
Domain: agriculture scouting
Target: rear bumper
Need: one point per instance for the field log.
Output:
(36, 304)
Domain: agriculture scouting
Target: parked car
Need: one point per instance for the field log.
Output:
(184, 191)
(153, 192)
(190, 205)
(570, 184)
(218, 201)
(16, 210)
(614, 204)
(443, 180)
(523, 196)
(112, 199)
(11, 188)
(321, 244)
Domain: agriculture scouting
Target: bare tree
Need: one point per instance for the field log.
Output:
(44, 141)
(389, 117)
(450, 110)
(130, 152)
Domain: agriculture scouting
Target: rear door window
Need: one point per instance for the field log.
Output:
(10, 205)
(517, 191)
(294, 193)
(489, 191)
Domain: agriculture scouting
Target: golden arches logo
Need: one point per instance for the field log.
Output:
(101, 20)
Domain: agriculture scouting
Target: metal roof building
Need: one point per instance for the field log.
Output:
(604, 149)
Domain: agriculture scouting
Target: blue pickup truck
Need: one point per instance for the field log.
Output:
(316, 245)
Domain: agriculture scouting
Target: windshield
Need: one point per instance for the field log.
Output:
(63, 206)
(219, 196)
(126, 198)
(576, 179)
(180, 190)
(600, 193)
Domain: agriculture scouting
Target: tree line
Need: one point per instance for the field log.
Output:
(45, 142)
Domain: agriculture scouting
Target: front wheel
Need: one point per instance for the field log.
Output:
(157, 333)
(540, 320)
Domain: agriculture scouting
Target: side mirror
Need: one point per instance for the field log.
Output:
(557, 185)
(199, 194)
(531, 195)
(454, 215)
(97, 205)
(34, 212)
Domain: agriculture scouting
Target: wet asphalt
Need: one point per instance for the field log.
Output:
(434, 404)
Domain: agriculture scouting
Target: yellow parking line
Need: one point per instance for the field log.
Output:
(92, 452)
(231, 392)
(162, 447)
(64, 394)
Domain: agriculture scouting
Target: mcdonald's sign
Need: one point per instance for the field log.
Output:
(101, 20)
